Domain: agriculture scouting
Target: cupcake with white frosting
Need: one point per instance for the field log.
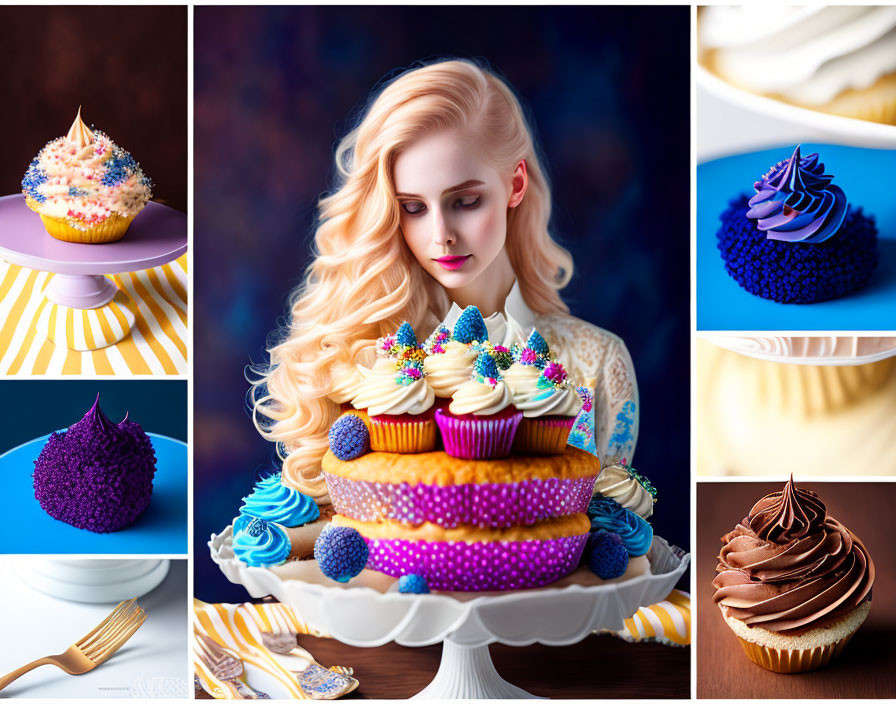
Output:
(85, 187)
(480, 422)
(396, 398)
(627, 488)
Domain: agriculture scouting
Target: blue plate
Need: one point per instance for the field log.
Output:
(867, 176)
(160, 530)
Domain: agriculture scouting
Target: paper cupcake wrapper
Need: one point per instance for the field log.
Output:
(471, 567)
(110, 230)
(793, 661)
(404, 434)
(483, 437)
(543, 436)
(483, 505)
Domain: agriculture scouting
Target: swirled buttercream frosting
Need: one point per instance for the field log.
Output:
(394, 388)
(636, 533)
(485, 393)
(259, 543)
(627, 488)
(448, 369)
(97, 475)
(549, 394)
(271, 500)
(84, 178)
(789, 567)
(796, 201)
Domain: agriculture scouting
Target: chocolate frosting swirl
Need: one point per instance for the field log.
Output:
(789, 567)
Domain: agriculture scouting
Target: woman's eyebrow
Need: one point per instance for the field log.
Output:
(453, 189)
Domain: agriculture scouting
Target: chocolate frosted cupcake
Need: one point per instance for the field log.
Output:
(797, 240)
(793, 583)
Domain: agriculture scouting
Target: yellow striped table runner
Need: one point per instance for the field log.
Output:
(157, 344)
(668, 622)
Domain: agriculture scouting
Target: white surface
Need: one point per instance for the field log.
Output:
(92, 581)
(733, 121)
(151, 664)
(362, 616)
(816, 350)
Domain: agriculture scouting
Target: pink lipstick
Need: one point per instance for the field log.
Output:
(453, 263)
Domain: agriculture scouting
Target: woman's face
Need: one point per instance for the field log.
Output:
(453, 207)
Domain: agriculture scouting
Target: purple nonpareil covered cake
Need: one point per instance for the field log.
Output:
(97, 475)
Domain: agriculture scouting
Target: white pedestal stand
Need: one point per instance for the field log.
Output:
(465, 623)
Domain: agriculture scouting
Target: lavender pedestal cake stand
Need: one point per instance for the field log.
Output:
(157, 236)
(369, 612)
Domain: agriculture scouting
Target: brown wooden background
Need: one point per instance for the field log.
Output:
(126, 66)
(867, 668)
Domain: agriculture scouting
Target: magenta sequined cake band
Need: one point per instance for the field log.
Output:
(483, 505)
(469, 567)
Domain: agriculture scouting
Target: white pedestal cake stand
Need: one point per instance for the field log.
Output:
(157, 236)
(465, 623)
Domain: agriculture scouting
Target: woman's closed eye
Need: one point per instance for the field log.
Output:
(413, 207)
(470, 201)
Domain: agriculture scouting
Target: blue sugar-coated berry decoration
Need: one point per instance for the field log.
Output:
(537, 343)
(405, 336)
(607, 556)
(349, 437)
(413, 584)
(341, 552)
(470, 326)
(486, 366)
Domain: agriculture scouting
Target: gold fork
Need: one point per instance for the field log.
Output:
(94, 648)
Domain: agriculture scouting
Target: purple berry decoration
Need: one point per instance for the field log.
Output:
(340, 552)
(413, 584)
(470, 326)
(405, 336)
(349, 437)
(607, 556)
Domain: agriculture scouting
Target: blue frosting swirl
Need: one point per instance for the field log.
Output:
(259, 543)
(796, 202)
(636, 533)
(273, 501)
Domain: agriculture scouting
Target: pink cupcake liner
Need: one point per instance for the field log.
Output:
(478, 437)
(471, 567)
(483, 505)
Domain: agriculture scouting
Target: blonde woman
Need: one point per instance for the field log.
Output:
(441, 204)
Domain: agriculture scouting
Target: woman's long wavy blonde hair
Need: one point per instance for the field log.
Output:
(363, 280)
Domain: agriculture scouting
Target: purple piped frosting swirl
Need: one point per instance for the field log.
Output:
(796, 201)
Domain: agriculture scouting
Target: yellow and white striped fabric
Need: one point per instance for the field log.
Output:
(238, 628)
(667, 622)
(157, 299)
(88, 329)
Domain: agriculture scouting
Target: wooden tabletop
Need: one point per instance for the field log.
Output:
(600, 667)
(867, 667)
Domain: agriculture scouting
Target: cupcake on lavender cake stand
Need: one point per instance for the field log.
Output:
(91, 218)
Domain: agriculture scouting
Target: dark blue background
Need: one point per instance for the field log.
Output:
(608, 88)
(36, 407)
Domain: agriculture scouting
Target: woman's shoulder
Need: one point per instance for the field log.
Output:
(582, 346)
(566, 329)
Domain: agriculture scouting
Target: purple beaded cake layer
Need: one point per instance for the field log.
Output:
(474, 567)
(483, 505)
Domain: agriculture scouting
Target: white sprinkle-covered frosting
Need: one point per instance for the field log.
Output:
(84, 178)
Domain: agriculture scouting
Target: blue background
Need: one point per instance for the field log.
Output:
(867, 176)
(608, 89)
